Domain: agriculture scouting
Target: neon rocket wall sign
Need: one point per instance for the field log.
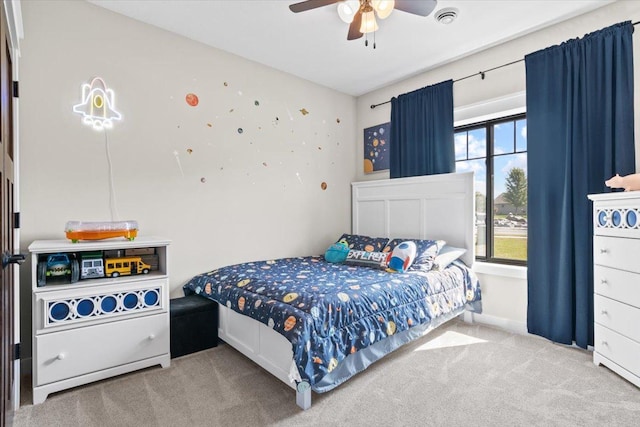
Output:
(97, 106)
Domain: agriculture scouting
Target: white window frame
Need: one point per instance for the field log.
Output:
(491, 109)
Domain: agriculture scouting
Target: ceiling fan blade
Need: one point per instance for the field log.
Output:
(422, 8)
(310, 4)
(354, 27)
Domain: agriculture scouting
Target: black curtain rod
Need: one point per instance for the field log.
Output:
(479, 73)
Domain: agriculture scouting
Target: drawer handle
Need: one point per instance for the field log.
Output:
(604, 251)
(604, 281)
(61, 356)
(605, 343)
(605, 312)
(152, 337)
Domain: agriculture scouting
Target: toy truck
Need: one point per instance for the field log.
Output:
(92, 265)
(58, 266)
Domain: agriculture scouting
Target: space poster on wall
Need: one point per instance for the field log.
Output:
(376, 148)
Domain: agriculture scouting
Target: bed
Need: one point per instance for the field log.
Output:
(314, 324)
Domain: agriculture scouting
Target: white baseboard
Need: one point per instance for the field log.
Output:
(500, 322)
(15, 392)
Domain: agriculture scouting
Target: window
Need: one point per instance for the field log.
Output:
(496, 150)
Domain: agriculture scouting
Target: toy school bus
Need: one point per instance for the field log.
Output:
(65, 268)
(115, 267)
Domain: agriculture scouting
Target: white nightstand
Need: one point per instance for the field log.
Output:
(96, 328)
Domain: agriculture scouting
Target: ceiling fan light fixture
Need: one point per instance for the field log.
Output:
(446, 16)
(369, 24)
(347, 10)
(383, 7)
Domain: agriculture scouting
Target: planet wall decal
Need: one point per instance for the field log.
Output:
(192, 99)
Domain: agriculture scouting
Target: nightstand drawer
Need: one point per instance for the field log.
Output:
(617, 284)
(615, 252)
(618, 349)
(615, 315)
(67, 354)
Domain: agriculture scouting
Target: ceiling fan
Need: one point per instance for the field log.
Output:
(363, 12)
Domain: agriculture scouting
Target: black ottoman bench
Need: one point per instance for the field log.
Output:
(194, 324)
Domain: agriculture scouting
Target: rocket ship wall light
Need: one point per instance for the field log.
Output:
(97, 106)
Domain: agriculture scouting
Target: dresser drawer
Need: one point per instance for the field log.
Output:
(617, 284)
(615, 315)
(617, 253)
(619, 216)
(617, 348)
(62, 355)
(57, 310)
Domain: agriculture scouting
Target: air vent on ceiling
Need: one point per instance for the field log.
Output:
(446, 15)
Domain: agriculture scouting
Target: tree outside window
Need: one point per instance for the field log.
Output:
(516, 185)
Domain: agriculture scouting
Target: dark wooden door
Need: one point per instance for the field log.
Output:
(6, 224)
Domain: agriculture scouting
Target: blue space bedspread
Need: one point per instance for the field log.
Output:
(330, 311)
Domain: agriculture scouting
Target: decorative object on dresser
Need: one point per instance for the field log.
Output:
(99, 326)
(616, 275)
(628, 182)
(99, 230)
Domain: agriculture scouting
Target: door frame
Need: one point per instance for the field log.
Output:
(15, 30)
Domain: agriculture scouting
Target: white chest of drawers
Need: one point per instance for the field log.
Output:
(616, 274)
(96, 328)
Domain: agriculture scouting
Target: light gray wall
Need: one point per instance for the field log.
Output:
(504, 296)
(236, 197)
(260, 187)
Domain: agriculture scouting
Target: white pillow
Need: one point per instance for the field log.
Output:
(446, 256)
(402, 257)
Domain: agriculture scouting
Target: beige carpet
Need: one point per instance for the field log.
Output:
(459, 375)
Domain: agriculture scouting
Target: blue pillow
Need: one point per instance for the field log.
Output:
(426, 254)
(336, 253)
(391, 245)
(363, 243)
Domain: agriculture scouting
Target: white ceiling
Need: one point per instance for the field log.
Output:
(313, 44)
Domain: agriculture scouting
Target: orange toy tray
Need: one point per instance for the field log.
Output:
(76, 235)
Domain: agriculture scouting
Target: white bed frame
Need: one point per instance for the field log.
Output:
(426, 207)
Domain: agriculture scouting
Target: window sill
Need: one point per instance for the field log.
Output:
(503, 270)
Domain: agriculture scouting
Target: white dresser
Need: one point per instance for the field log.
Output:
(616, 275)
(94, 328)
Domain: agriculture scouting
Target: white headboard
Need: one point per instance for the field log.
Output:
(423, 207)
